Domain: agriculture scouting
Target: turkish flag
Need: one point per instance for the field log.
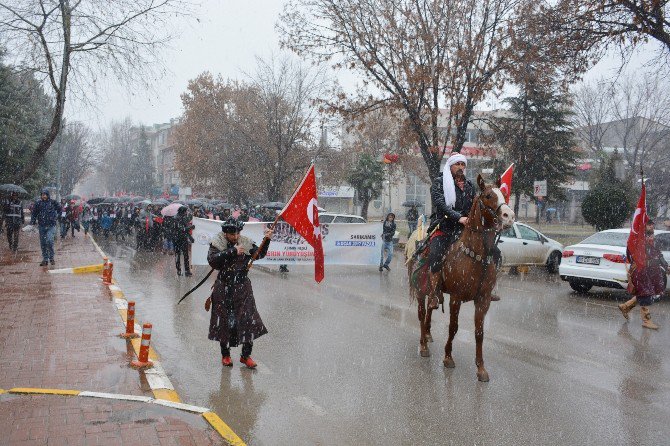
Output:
(302, 213)
(636, 238)
(506, 182)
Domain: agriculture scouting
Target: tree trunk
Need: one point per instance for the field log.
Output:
(517, 200)
(365, 202)
(38, 156)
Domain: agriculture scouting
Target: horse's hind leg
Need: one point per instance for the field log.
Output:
(429, 315)
(454, 309)
(480, 313)
(423, 345)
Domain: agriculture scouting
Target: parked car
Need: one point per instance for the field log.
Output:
(600, 260)
(331, 217)
(522, 245)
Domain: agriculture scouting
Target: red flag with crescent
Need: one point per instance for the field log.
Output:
(636, 238)
(506, 182)
(301, 212)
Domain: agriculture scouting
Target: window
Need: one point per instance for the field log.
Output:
(415, 189)
(325, 219)
(528, 234)
(607, 238)
(509, 232)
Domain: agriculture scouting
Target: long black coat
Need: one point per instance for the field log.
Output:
(464, 199)
(233, 289)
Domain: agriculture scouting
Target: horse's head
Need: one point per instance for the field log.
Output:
(492, 199)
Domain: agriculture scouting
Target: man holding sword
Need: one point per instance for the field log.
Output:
(235, 319)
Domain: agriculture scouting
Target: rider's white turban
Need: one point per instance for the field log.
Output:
(448, 181)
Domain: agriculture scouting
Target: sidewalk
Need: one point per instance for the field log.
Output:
(59, 331)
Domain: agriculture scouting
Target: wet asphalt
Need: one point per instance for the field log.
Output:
(340, 364)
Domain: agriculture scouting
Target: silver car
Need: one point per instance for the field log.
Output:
(522, 245)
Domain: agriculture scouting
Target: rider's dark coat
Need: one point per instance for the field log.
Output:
(233, 295)
(464, 198)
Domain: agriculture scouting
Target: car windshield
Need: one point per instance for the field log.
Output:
(607, 238)
(325, 218)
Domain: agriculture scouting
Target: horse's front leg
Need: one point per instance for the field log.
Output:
(454, 309)
(480, 313)
(423, 344)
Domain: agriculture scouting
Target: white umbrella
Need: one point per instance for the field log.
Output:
(171, 209)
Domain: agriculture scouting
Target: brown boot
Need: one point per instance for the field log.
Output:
(646, 319)
(627, 306)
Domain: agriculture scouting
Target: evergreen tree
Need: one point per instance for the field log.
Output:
(366, 179)
(24, 110)
(142, 166)
(610, 200)
(537, 137)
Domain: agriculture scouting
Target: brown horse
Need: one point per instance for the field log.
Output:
(468, 272)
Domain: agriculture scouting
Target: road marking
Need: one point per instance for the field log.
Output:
(115, 396)
(310, 405)
(166, 395)
(223, 429)
(182, 406)
(31, 390)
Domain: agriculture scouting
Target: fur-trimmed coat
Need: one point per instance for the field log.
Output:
(233, 292)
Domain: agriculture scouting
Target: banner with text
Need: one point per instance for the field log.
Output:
(343, 243)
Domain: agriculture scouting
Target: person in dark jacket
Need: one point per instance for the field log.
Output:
(412, 217)
(46, 212)
(388, 231)
(14, 218)
(648, 281)
(235, 319)
(180, 232)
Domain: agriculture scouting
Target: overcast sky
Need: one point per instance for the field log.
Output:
(225, 40)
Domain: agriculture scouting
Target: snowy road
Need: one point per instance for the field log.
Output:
(341, 366)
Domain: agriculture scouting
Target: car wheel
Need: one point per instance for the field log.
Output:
(580, 287)
(553, 262)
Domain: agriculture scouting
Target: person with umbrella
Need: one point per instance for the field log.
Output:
(14, 218)
(45, 213)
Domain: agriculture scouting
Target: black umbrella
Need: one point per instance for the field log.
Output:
(274, 205)
(9, 188)
(160, 202)
(410, 203)
(124, 199)
(137, 199)
(224, 205)
(194, 202)
(96, 200)
(110, 200)
(72, 197)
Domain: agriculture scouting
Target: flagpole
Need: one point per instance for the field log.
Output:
(267, 240)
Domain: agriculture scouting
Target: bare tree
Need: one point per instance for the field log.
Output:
(253, 138)
(75, 155)
(79, 43)
(592, 108)
(431, 61)
(598, 24)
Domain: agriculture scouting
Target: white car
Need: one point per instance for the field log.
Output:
(600, 260)
(331, 217)
(522, 245)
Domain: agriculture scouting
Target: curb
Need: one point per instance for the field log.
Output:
(212, 418)
(157, 379)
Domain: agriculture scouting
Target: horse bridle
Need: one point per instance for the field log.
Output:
(486, 259)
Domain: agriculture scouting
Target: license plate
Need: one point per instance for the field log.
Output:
(588, 260)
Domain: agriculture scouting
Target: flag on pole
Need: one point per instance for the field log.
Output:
(506, 182)
(301, 212)
(636, 238)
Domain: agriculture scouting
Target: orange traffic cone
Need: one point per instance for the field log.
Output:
(130, 322)
(142, 362)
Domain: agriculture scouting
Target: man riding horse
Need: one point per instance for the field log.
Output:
(452, 195)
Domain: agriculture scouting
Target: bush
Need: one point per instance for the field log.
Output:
(607, 206)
